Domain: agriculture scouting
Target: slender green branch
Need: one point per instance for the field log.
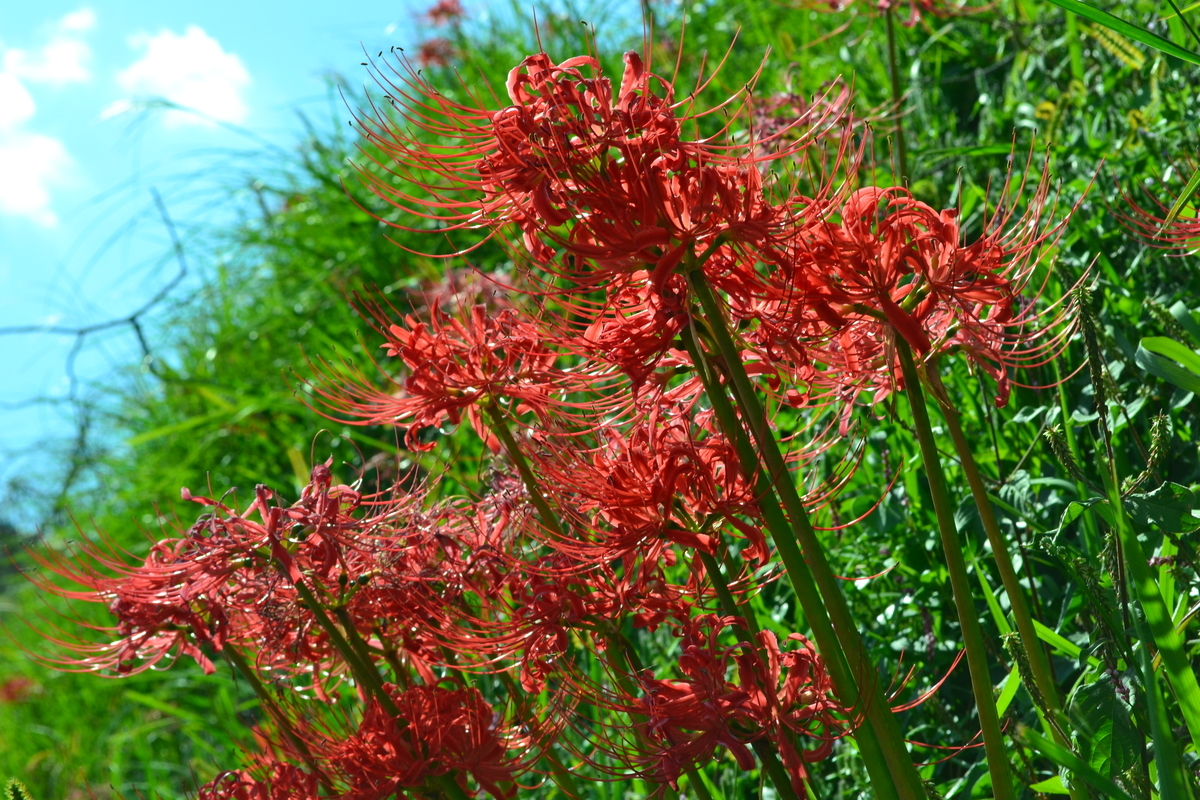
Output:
(960, 582)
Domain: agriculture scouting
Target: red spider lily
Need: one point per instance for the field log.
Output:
(605, 174)
(439, 731)
(229, 579)
(917, 8)
(730, 696)
(893, 266)
(435, 52)
(650, 484)
(1181, 234)
(444, 12)
(286, 782)
(454, 365)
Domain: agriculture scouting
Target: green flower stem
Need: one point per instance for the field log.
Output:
(1172, 785)
(561, 776)
(960, 582)
(799, 575)
(1039, 664)
(729, 604)
(364, 672)
(751, 629)
(500, 428)
(817, 589)
(450, 788)
(897, 99)
(550, 519)
(1158, 616)
(1091, 539)
(239, 663)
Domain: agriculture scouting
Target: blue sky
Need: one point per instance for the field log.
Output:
(80, 240)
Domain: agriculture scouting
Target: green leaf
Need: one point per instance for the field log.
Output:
(166, 708)
(1129, 30)
(1169, 507)
(1105, 733)
(1183, 315)
(1069, 761)
(1008, 690)
(1158, 356)
(1075, 509)
(1062, 643)
(1053, 785)
(1183, 198)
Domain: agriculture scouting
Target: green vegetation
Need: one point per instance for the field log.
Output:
(984, 94)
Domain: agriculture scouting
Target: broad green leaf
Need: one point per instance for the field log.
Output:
(1169, 507)
(1075, 510)
(1173, 350)
(1069, 761)
(1127, 29)
(1106, 736)
(1183, 315)
(1158, 356)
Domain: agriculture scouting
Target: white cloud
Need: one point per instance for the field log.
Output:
(30, 164)
(63, 59)
(16, 103)
(82, 20)
(191, 70)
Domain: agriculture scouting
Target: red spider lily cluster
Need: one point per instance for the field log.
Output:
(493, 641)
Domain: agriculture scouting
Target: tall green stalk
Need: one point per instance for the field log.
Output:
(1038, 663)
(799, 575)
(960, 582)
(1004, 565)
(500, 427)
(804, 557)
(901, 148)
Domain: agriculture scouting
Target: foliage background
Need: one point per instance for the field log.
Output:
(218, 405)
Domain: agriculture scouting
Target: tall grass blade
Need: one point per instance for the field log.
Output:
(1128, 29)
